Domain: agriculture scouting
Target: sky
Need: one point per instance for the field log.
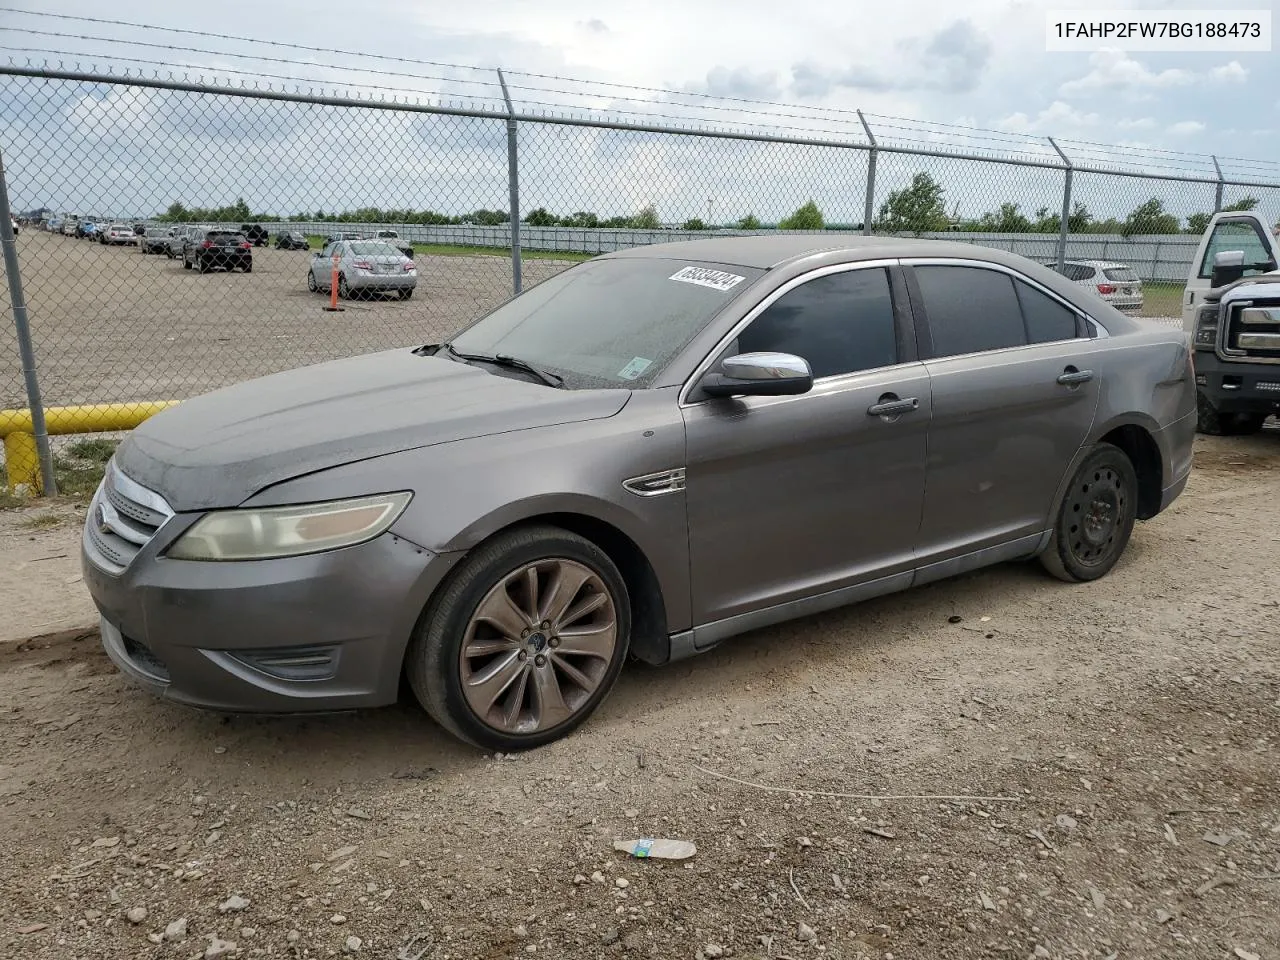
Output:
(926, 72)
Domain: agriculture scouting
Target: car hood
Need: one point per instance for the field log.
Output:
(219, 449)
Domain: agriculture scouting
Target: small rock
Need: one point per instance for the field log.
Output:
(92, 914)
(804, 842)
(341, 853)
(33, 928)
(597, 877)
(631, 813)
(248, 931)
(1217, 839)
(1245, 954)
(136, 914)
(235, 902)
(220, 948)
(1065, 821)
(622, 883)
(106, 842)
(805, 932)
(579, 879)
(213, 837)
(352, 944)
(609, 936)
(293, 936)
(176, 930)
(1163, 916)
(359, 814)
(713, 951)
(219, 749)
(337, 918)
(521, 931)
(531, 948)
(155, 938)
(987, 902)
(113, 896)
(1041, 951)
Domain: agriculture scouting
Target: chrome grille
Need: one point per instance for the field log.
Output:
(123, 518)
(1253, 332)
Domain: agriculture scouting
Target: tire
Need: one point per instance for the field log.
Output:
(201, 266)
(1214, 423)
(248, 267)
(311, 282)
(437, 670)
(343, 292)
(406, 294)
(186, 264)
(1095, 519)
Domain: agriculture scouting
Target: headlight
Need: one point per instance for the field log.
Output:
(288, 531)
(1206, 332)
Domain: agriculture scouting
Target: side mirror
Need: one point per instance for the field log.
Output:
(1228, 267)
(759, 375)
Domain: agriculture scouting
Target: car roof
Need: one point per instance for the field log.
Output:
(766, 252)
(1098, 263)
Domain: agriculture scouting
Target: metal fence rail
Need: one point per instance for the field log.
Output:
(111, 324)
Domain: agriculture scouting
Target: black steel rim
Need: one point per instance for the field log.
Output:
(1096, 510)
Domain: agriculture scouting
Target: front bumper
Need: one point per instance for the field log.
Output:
(1238, 387)
(317, 633)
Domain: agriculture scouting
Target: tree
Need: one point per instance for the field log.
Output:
(693, 223)
(749, 222)
(807, 217)
(1007, 219)
(1244, 203)
(583, 219)
(1149, 218)
(647, 219)
(1198, 223)
(918, 208)
(1079, 219)
(619, 222)
(541, 218)
(176, 212)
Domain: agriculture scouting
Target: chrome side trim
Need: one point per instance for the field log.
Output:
(656, 484)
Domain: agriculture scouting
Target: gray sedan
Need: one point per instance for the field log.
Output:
(642, 456)
(363, 266)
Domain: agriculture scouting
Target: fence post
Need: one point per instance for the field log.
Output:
(1064, 226)
(513, 184)
(869, 208)
(15, 442)
(1217, 193)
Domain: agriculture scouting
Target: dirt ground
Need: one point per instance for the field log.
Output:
(1062, 771)
(110, 324)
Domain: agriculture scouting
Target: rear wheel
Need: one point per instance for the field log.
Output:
(524, 642)
(1095, 519)
(186, 264)
(343, 290)
(311, 282)
(406, 294)
(1210, 420)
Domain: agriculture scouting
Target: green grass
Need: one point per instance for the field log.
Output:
(77, 470)
(1162, 299)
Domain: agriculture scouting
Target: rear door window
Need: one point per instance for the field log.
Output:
(970, 309)
(1047, 320)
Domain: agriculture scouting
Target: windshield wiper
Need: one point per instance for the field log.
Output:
(511, 363)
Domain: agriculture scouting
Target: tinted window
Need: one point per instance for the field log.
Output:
(1047, 320)
(1120, 274)
(1237, 235)
(840, 323)
(970, 309)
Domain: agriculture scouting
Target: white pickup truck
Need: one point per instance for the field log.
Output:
(1231, 309)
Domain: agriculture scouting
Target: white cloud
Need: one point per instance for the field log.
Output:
(1056, 116)
(1231, 72)
(1115, 70)
(1142, 123)
(1185, 128)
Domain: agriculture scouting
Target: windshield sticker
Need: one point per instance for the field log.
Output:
(637, 366)
(715, 279)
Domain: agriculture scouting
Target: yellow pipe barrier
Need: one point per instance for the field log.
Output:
(22, 462)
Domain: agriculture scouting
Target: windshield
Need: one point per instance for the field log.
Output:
(371, 248)
(156, 232)
(608, 323)
(1122, 274)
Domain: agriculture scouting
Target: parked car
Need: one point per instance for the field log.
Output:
(117, 234)
(1231, 309)
(87, 230)
(1116, 283)
(292, 240)
(643, 455)
(155, 239)
(229, 249)
(16, 229)
(181, 236)
(256, 233)
(393, 238)
(364, 266)
(71, 228)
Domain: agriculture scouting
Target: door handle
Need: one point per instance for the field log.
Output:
(1071, 376)
(890, 406)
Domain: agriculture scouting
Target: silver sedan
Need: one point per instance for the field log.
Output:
(363, 266)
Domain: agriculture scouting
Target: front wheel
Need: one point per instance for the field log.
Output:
(1096, 517)
(524, 642)
(311, 282)
(186, 264)
(344, 291)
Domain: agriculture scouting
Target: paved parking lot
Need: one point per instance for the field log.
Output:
(111, 324)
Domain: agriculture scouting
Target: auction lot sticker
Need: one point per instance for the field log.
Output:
(715, 279)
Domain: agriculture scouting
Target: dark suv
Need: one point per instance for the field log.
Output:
(218, 248)
(255, 233)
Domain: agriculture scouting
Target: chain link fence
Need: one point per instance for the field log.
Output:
(115, 182)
